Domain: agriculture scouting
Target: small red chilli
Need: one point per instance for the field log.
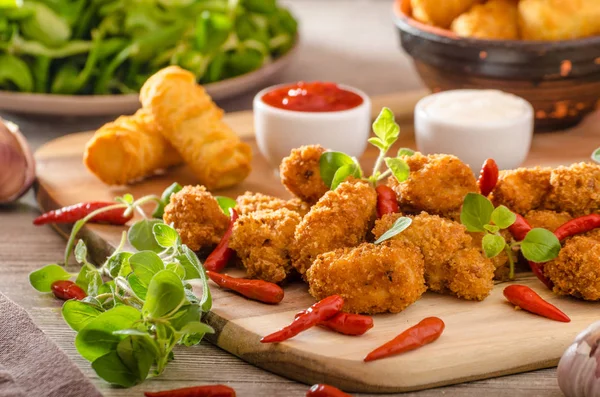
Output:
(321, 390)
(73, 213)
(218, 259)
(488, 177)
(387, 203)
(65, 290)
(196, 391)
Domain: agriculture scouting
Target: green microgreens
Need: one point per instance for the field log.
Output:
(139, 305)
(226, 203)
(336, 167)
(479, 215)
(596, 155)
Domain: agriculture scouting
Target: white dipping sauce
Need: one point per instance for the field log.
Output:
(475, 125)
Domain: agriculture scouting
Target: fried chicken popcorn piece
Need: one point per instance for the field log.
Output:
(300, 173)
(558, 19)
(251, 202)
(439, 13)
(193, 124)
(575, 189)
(452, 264)
(523, 189)
(341, 218)
(437, 184)
(371, 278)
(576, 270)
(197, 217)
(496, 20)
(547, 219)
(262, 240)
(129, 149)
(500, 261)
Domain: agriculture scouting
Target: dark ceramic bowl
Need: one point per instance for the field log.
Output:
(561, 79)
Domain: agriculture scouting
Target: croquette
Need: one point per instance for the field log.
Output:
(300, 173)
(251, 202)
(547, 219)
(575, 189)
(523, 189)
(371, 278)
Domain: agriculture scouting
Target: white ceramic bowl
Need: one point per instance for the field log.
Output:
(474, 128)
(278, 131)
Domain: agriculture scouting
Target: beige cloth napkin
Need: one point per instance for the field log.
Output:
(31, 365)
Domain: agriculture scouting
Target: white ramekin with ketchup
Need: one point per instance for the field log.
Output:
(287, 116)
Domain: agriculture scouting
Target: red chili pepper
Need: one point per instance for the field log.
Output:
(488, 177)
(425, 332)
(387, 203)
(538, 270)
(65, 290)
(325, 391)
(218, 259)
(73, 213)
(527, 299)
(520, 228)
(318, 312)
(257, 290)
(346, 323)
(577, 226)
(196, 391)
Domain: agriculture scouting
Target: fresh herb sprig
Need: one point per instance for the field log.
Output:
(336, 167)
(139, 303)
(479, 215)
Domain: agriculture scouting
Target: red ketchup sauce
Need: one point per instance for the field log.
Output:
(312, 97)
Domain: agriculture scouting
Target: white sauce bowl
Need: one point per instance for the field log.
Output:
(475, 125)
(278, 131)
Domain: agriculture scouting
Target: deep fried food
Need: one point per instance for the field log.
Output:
(437, 184)
(452, 264)
(262, 240)
(576, 270)
(300, 173)
(194, 125)
(129, 149)
(439, 13)
(500, 261)
(559, 19)
(251, 202)
(371, 278)
(575, 189)
(197, 217)
(523, 189)
(496, 19)
(341, 218)
(547, 219)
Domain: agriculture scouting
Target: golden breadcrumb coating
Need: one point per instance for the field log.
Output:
(442, 243)
(193, 124)
(197, 217)
(371, 278)
(439, 13)
(576, 270)
(341, 218)
(547, 219)
(129, 149)
(251, 202)
(559, 19)
(300, 173)
(437, 184)
(500, 261)
(523, 189)
(494, 20)
(262, 241)
(575, 189)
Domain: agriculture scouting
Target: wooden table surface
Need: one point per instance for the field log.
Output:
(349, 41)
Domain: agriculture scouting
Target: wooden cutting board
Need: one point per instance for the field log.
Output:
(481, 340)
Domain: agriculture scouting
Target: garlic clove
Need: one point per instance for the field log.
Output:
(17, 165)
(579, 367)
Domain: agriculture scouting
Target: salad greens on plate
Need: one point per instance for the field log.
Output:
(112, 46)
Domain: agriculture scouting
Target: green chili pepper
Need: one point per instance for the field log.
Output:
(244, 61)
(45, 26)
(212, 31)
(15, 71)
(40, 71)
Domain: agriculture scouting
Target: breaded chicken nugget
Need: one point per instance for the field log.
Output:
(371, 278)
(300, 173)
(197, 217)
(341, 218)
(437, 184)
(494, 20)
(500, 261)
(576, 270)
(439, 13)
(251, 202)
(547, 219)
(262, 240)
(523, 189)
(575, 189)
(446, 246)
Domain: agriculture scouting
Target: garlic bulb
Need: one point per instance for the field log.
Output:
(579, 367)
(17, 166)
